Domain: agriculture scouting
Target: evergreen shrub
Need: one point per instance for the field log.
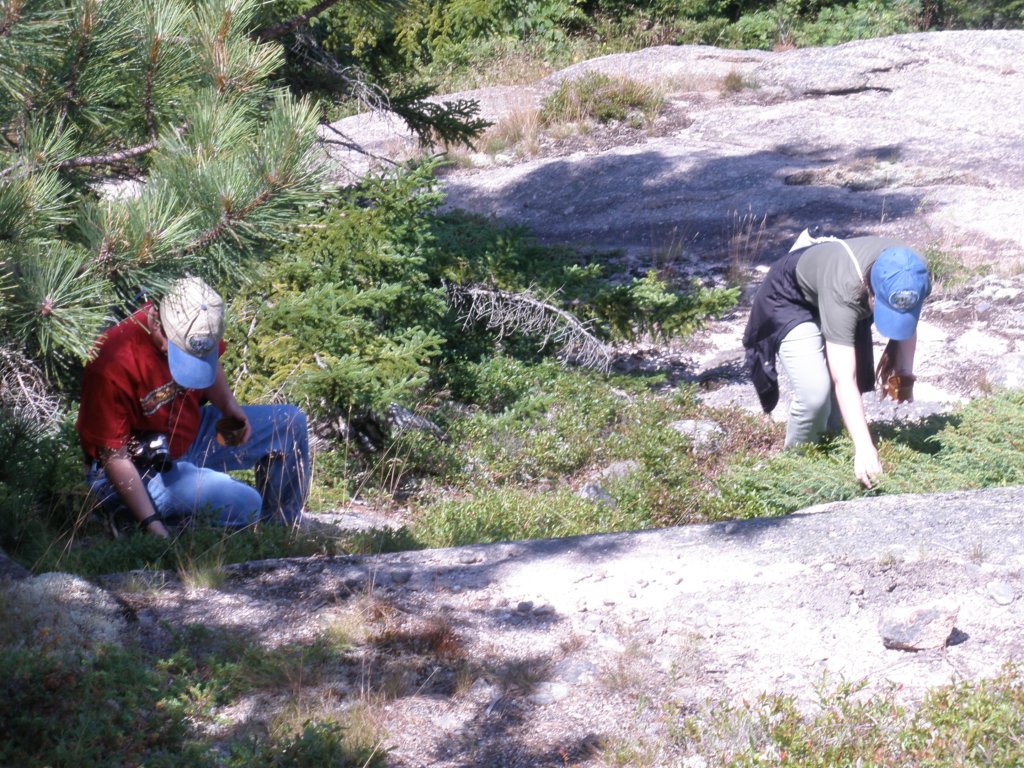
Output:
(42, 490)
(354, 315)
(348, 317)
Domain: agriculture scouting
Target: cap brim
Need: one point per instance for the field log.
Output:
(190, 371)
(896, 325)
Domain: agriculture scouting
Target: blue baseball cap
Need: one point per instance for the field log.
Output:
(192, 316)
(899, 280)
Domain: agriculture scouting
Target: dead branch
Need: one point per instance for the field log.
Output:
(24, 394)
(505, 313)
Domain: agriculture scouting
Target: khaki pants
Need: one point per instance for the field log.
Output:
(813, 409)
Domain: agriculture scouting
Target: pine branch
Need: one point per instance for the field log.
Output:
(70, 91)
(308, 53)
(125, 78)
(301, 20)
(147, 89)
(450, 122)
(506, 313)
(109, 158)
(228, 219)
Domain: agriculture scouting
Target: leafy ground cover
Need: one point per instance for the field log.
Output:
(964, 724)
(120, 708)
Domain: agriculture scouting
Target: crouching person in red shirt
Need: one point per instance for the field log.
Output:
(152, 396)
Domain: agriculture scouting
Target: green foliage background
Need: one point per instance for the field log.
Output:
(445, 41)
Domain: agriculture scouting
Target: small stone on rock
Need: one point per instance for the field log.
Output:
(1001, 592)
(549, 693)
(702, 432)
(919, 627)
(575, 671)
(593, 492)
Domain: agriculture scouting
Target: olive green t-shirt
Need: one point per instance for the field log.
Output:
(829, 279)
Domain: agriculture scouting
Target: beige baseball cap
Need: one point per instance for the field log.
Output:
(192, 316)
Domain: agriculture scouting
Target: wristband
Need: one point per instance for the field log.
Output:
(144, 524)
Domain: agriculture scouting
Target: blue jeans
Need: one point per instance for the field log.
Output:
(197, 484)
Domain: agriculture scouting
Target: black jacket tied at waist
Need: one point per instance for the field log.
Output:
(778, 308)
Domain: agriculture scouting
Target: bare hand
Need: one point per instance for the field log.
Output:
(867, 467)
(157, 528)
(900, 387)
(890, 381)
(238, 412)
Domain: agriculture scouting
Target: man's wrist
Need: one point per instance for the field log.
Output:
(154, 524)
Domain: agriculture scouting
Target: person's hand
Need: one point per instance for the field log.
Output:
(157, 528)
(893, 381)
(899, 387)
(236, 412)
(867, 467)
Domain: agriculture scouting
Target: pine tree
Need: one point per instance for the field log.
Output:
(139, 140)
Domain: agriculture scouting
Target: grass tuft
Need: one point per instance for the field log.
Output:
(735, 81)
(518, 130)
(601, 98)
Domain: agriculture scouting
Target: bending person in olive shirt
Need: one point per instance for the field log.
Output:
(814, 313)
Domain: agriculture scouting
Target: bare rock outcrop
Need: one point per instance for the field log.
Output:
(558, 642)
(919, 136)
